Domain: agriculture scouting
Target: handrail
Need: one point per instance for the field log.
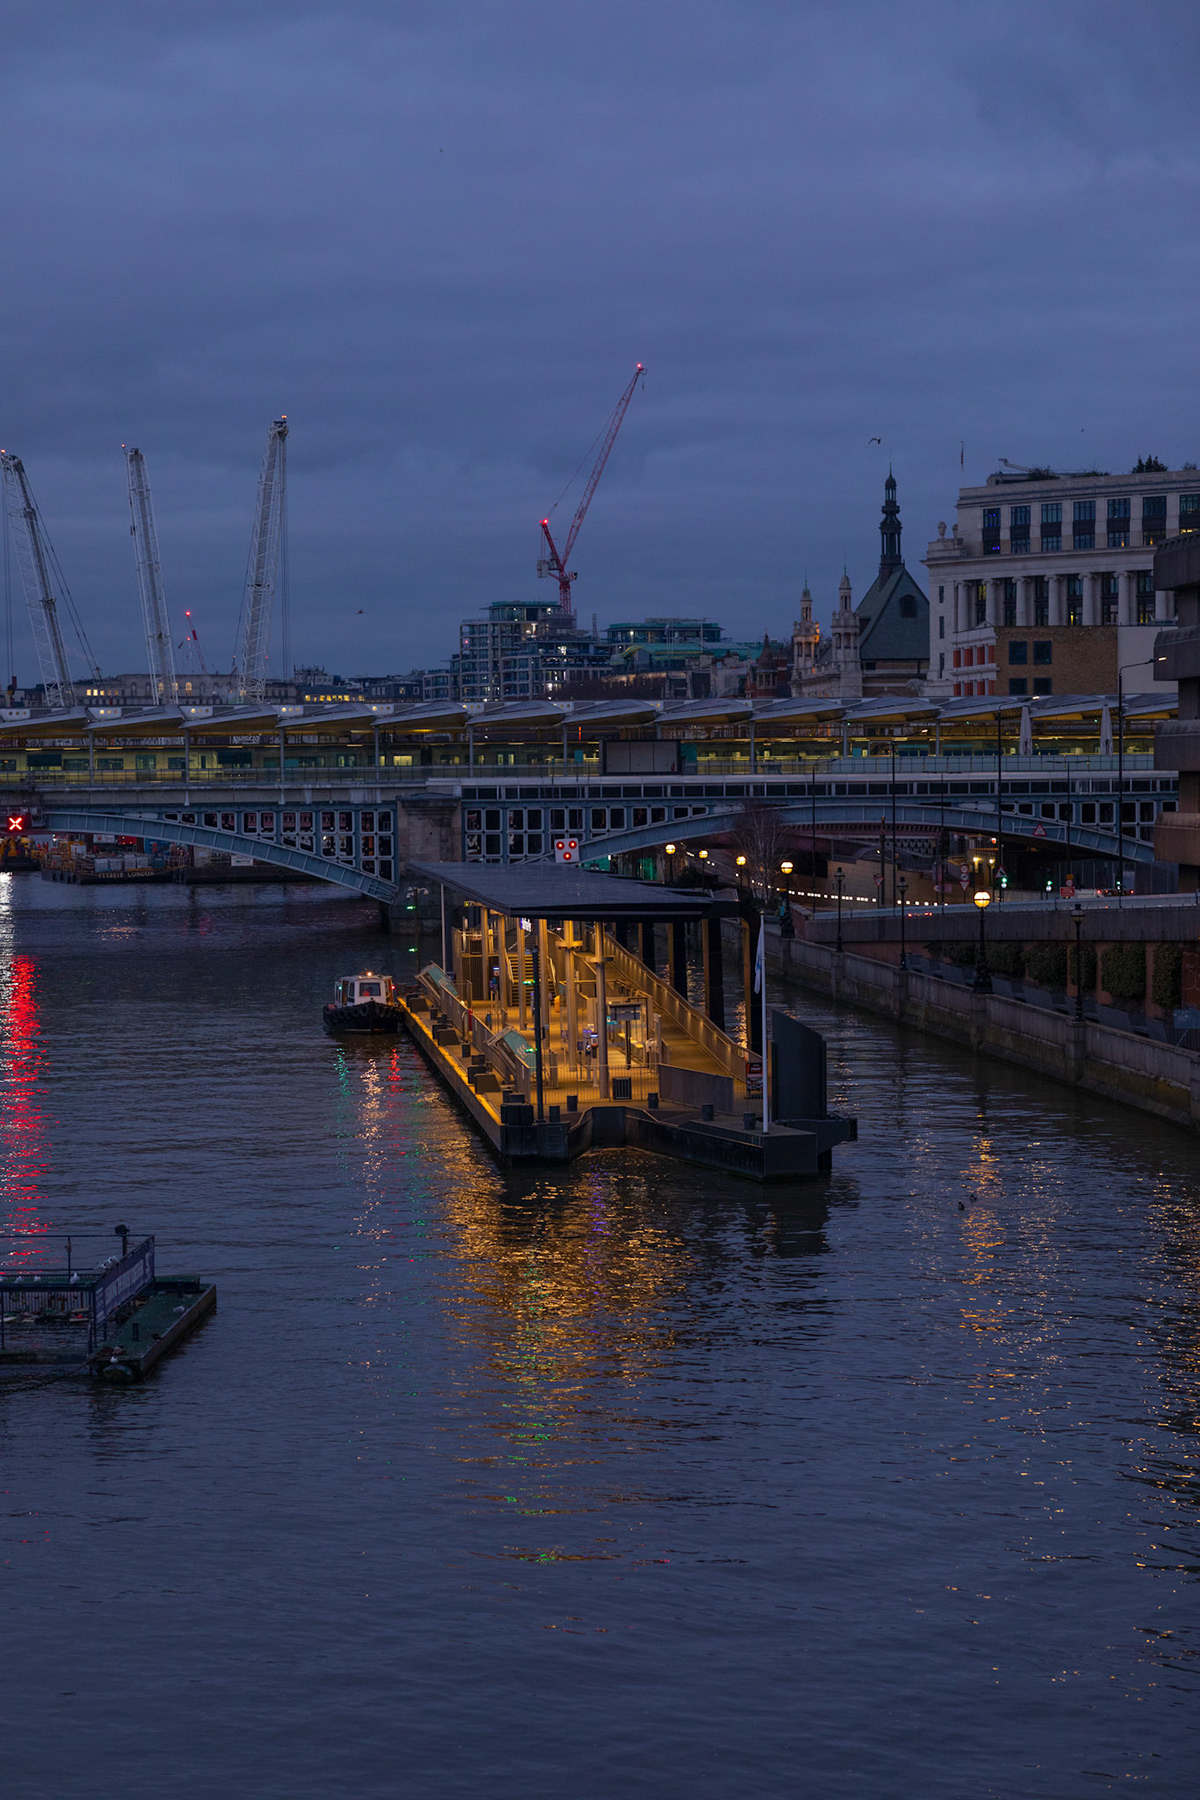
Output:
(728, 1054)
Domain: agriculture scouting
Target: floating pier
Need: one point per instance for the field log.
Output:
(556, 1037)
(114, 1321)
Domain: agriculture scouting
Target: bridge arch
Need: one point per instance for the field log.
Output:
(864, 815)
(174, 831)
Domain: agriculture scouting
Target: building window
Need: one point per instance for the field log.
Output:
(908, 607)
(1018, 651)
(1018, 520)
(1145, 596)
(941, 664)
(1074, 599)
(980, 602)
(1017, 684)
(991, 531)
(1084, 525)
(1154, 518)
(1043, 651)
(941, 625)
(1189, 512)
(1051, 540)
(941, 596)
(1118, 524)
(958, 659)
(1052, 526)
(1010, 602)
(1041, 599)
(1043, 684)
(1110, 596)
(1019, 546)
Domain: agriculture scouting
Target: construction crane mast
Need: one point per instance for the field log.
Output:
(254, 637)
(556, 562)
(42, 580)
(150, 583)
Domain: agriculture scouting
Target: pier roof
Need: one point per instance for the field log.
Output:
(562, 891)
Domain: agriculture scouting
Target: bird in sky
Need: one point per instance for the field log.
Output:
(875, 440)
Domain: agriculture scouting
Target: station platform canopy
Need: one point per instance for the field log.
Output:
(559, 891)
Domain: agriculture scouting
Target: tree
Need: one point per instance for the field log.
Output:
(758, 836)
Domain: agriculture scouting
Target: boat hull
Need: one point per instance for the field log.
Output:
(369, 1018)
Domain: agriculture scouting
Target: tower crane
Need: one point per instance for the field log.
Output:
(150, 583)
(41, 577)
(254, 633)
(556, 562)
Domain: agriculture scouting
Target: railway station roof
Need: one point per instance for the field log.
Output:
(561, 891)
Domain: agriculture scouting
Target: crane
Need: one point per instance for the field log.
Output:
(556, 563)
(254, 634)
(150, 583)
(40, 577)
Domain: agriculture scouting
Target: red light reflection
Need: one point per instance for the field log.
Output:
(23, 1134)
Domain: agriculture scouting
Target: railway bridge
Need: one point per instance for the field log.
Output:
(361, 834)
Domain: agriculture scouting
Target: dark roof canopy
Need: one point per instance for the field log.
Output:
(564, 891)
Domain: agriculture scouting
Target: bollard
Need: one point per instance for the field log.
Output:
(572, 1103)
(652, 1100)
(707, 1111)
(555, 1114)
(749, 1121)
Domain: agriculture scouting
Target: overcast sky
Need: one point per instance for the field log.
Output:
(439, 237)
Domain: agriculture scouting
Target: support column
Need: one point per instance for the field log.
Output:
(601, 1017)
(1025, 601)
(679, 956)
(714, 973)
(520, 975)
(1091, 599)
(1126, 606)
(995, 602)
(1056, 587)
(569, 938)
(753, 1008)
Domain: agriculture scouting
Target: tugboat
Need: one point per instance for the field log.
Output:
(363, 1003)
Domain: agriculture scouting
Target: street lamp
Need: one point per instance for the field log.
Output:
(902, 889)
(983, 981)
(1144, 664)
(1077, 921)
(839, 912)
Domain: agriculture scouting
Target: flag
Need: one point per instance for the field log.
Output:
(758, 958)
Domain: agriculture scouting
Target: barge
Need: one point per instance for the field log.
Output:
(114, 1321)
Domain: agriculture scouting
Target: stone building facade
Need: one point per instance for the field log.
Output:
(1033, 553)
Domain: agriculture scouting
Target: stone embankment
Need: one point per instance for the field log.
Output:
(1158, 1077)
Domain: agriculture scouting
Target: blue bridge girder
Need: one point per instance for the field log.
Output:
(174, 831)
(866, 816)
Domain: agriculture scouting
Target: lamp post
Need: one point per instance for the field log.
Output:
(902, 889)
(983, 980)
(1077, 922)
(839, 912)
(1144, 664)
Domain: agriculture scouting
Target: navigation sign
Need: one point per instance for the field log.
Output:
(1039, 829)
(566, 850)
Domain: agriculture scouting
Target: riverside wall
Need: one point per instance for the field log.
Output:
(1158, 1078)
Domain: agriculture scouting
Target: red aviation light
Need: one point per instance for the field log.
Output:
(566, 850)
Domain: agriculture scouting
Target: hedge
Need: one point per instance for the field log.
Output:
(1123, 973)
(1047, 964)
(1007, 959)
(1166, 988)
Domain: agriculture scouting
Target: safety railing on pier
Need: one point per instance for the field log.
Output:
(729, 1056)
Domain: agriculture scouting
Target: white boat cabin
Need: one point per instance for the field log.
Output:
(356, 990)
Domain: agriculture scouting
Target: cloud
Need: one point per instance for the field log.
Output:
(440, 238)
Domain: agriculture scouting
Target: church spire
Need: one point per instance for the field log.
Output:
(890, 558)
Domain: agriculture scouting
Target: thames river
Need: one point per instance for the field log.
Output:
(626, 1481)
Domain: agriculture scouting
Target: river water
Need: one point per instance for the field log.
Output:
(627, 1481)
